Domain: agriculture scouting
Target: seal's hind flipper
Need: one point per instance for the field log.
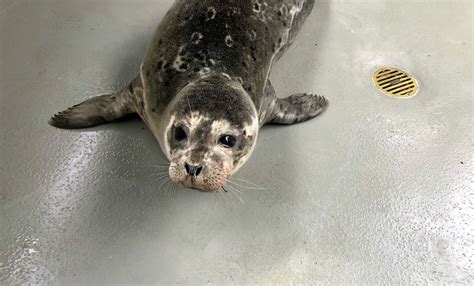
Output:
(97, 110)
(298, 108)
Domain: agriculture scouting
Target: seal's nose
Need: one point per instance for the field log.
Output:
(192, 170)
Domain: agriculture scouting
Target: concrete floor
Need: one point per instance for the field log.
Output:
(378, 190)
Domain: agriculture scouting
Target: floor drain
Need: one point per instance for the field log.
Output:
(395, 82)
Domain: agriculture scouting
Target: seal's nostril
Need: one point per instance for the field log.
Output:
(192, 170)
(198, 171)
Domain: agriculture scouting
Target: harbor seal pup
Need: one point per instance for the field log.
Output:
(204, 89)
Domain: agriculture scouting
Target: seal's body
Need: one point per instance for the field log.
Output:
(204, 88)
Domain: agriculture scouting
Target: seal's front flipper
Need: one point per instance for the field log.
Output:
(97, 110)
(298, 108)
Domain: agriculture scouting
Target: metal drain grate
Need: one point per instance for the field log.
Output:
(395, 82)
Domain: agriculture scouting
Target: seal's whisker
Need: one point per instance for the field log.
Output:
(245, 181)
(175, 187)
(223, 198)
(162, 175)
(162, 184)
(248, 188)
(229, 198)
(219, 195)
(238, 196)
(226, 196)
(230, 187)
(236, 193)
(158, 176)
(169, 189)
(214, 198)
(162, 178)
(161, 166)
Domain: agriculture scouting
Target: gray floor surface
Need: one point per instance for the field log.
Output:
(378, 190)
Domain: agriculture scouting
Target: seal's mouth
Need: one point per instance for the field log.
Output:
(191, 183)
(203, 178)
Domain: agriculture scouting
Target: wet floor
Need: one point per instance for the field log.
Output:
(378, 190)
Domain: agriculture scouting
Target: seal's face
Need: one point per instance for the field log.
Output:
(206, 146)
(205, 152)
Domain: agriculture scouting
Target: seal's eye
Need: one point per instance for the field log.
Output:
(227, 141)
(179, 134)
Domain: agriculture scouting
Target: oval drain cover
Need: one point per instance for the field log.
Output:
(395, 82)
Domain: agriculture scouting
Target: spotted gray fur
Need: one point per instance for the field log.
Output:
(212, 57)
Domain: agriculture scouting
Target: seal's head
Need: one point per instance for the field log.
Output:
(212, 130)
